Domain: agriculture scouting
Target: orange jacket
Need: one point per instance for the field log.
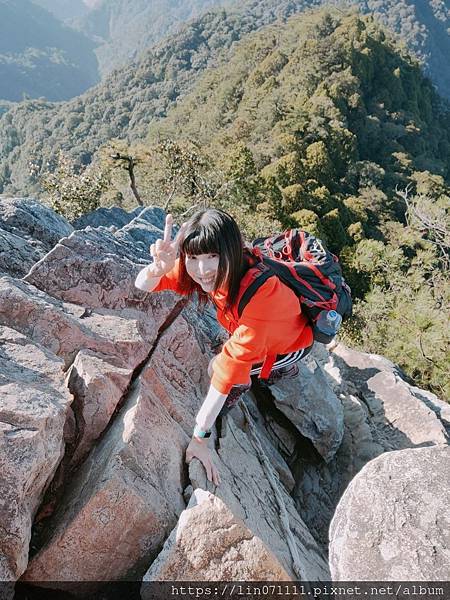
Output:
(270, 324)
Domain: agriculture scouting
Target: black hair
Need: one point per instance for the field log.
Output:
(213, 231)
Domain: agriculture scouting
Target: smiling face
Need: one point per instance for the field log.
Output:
(211, 255)
(203, 269)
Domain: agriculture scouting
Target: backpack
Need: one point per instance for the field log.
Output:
(303, 263)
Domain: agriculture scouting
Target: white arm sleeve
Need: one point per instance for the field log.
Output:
(210, 408)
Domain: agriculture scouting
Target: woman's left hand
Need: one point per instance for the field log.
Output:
(199, 449)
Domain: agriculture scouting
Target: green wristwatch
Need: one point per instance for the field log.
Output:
(200, 433)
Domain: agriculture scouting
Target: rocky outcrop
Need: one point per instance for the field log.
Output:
(102, 385)
(138, 226)
(253, 491)
(66, 328)
(98, 386)
(98, 353)
(214, 544)
(28, 230)
(401, 415)
(96, 267)
(393, 522)
(381, 412)
(91, 267)
(123, 501)
(17, 254)
(33, 220)
(114, 217)
(127, 496)
(313, 407)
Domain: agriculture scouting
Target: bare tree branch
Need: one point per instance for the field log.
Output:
(169, 197)
(427, 357)
(130, 163)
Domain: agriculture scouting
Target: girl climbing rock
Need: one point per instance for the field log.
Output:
(268, 337)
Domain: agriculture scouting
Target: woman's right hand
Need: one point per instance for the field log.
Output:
(199, 449)
(164, 252)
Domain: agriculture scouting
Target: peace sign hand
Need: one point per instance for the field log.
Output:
(164, 252)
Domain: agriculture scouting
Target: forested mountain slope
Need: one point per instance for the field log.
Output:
(321, 76)
(39, 56)
(130, 98)
(123, 28)
(424, 26)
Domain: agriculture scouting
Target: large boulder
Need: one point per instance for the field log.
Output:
(33, 411)
(393, 521)
(400, 414)
(98, 384)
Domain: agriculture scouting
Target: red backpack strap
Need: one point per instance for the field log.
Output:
(255, 277)
(320, 275)
(267, 366)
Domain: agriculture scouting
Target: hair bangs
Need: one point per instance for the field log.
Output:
(202, 240)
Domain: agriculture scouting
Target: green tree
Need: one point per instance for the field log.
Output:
(310, 222)
(72, 191)
(317, 164)
(334, 231)
(244, 184)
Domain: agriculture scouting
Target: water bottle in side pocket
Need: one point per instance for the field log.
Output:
(326, 326)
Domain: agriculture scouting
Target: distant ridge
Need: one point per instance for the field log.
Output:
(39, 56)
(123, 28)
(64, 9)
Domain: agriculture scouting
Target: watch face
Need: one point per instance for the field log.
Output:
(207, 434)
